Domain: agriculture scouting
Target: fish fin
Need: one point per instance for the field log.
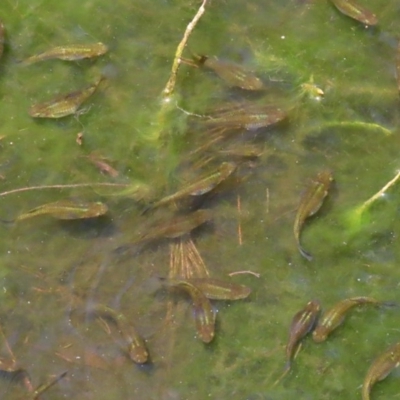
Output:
(148, 208)
(305, 254)
(81, 111)
(189, 62)
(389, 304)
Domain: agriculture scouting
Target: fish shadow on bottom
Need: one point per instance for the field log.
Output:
(89, 228)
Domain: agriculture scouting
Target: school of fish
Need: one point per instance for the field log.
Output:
(182, 216)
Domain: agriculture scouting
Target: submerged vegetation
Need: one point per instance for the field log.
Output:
(193, 202)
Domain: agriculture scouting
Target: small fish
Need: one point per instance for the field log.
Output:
(234, 75)
(237, 117)
(137, 191)
(217, 289)
(69, 53)
(334, 317)
(302, 323)
(137, 349)
(102, 165)
(250, 117)
(381, 368)
(67, 209)
(355, 11)
(63, 105)
(201, 186)
(2, 38)
(310, 203)
(203, 312)
(177, 226)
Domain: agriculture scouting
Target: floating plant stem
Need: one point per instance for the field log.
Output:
(170, 86)
(356, 214)
(378, 194)
(67, 186)
(42, 388)
(167, 93)
(366, 126)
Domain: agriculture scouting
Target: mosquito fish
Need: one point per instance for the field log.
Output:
(177, 226)
(355, 11)
(217, 289)
(63, 105)
(137, 349)
(202, 309)
(67, 209)
(381, 368)
(102, 165)
(310, 203)
(302, 323)
(69, 53)
(248, 117)
(334, 317)
(232, 74)
(201, 186)
(2, 38)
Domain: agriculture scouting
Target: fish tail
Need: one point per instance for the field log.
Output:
(148, 208)
(389, 304)
(365, 392)
(284, 373)
(26, 62)
(304, 253)
(101, 79)
(8, 221)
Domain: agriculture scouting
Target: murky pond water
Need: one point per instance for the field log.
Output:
(335, 81)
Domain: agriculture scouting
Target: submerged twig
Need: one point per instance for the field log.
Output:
(367, 126)
(239, 208)
(169, 88)
(380, 193)
(42, 388)
(67, 186)
(256, 274)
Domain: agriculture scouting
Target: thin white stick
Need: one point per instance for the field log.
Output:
(380, 193)
(169, 88)
(256, 274)
(67, 186)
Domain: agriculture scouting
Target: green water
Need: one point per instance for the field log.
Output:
(352, 130)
